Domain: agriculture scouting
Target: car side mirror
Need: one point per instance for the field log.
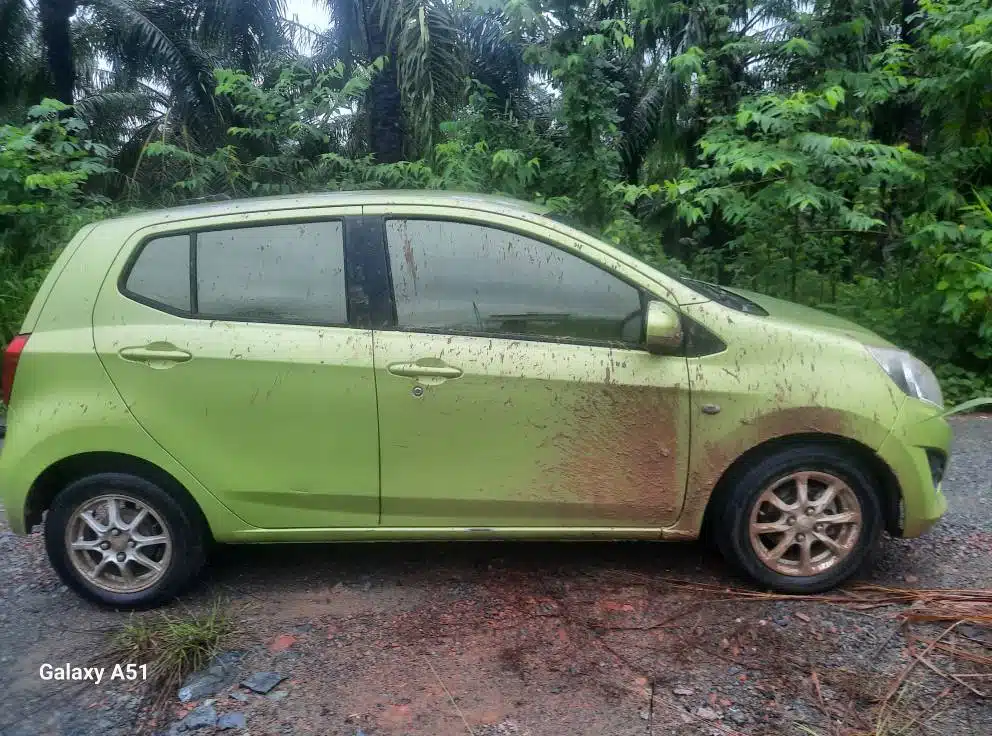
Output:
(663, 328)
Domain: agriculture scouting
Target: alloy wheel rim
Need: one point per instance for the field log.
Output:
(805, 523)
(119, 543)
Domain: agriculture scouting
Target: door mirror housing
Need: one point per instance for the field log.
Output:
(663, 328)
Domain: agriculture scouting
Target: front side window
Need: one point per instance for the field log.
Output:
(461, 277)
(269, 273)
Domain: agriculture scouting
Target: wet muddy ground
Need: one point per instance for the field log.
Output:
(525, 638)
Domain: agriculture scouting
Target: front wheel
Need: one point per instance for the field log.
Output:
(122, 541)
(802, 520)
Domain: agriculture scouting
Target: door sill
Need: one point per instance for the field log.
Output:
(414, 534)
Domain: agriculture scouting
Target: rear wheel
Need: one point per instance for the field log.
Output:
(801, 520)
(123, 541)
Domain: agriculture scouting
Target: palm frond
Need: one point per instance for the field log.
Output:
(430, 61)
(16, 28)
(21, 66)
(241, 32)
(348, 31)
(154, 42)
(495, 57)
(113, 116)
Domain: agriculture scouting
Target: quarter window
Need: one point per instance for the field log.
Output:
(461, 277)
(161, 273)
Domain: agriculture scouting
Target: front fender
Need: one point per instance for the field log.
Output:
(715, 449)
(772, 381)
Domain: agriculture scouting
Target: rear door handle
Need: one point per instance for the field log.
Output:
(415, 370)
(156, 352)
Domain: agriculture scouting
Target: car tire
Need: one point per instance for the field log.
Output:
(766, 537)
(102, 526)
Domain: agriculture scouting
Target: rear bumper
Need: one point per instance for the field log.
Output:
(11, 496)
(919, 439)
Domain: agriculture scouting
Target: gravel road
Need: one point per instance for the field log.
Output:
(499, 639)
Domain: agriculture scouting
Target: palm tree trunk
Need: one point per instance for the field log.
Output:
(911, 113)
(55, 15)
(384, 102)
(632, 167)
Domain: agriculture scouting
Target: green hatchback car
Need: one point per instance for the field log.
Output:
(426, 366)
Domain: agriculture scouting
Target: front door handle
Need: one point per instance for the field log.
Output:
(415, 370)
(156, 354)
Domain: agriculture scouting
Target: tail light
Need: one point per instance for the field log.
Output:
(11, 356)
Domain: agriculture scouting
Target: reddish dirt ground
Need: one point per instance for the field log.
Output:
(557, 639)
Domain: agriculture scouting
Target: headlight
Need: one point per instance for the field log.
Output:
(910, 374)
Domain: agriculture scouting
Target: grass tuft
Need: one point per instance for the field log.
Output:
(173, 646)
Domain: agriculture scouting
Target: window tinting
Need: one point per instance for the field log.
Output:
(460, 277)
(291, 273)
(161, 272)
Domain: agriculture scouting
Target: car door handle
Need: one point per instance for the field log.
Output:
(415, 370)
(155, 353)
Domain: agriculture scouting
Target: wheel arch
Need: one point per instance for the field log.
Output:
(890, 494)
(74, 467)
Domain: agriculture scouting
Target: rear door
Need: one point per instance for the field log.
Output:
(514, 388)
(234, 343)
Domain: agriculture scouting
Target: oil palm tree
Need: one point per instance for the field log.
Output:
(158, 46)
(138, 65)
(433, 47)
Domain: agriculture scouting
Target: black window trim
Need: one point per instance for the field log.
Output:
(194, 313)
(368, 287)
(194, 285)
(393, 325)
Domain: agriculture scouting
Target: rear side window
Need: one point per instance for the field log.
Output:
(271, 273)
(161, 273)
(461, 277)
(285, 273)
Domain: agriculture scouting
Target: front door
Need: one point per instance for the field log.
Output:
(514, 390)
(231, 344)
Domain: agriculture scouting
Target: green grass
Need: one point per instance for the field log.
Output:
(173, 646)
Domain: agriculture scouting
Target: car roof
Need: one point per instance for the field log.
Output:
(332, 199)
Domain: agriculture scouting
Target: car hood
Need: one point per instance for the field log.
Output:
(786, 312)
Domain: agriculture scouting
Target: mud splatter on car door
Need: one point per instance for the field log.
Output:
(515, 389)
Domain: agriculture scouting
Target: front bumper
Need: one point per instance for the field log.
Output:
(918, 440)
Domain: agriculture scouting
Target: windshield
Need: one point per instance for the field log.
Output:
(712, 292)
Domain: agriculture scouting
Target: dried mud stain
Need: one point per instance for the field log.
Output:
(617, 458)
(713, 459)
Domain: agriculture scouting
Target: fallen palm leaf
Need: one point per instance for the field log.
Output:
(946, 675)
(859, 594)
(953, 606)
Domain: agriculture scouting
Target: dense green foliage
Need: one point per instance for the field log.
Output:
(44, 167)
(836, 152)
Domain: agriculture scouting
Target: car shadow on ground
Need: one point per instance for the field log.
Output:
(275, 567)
